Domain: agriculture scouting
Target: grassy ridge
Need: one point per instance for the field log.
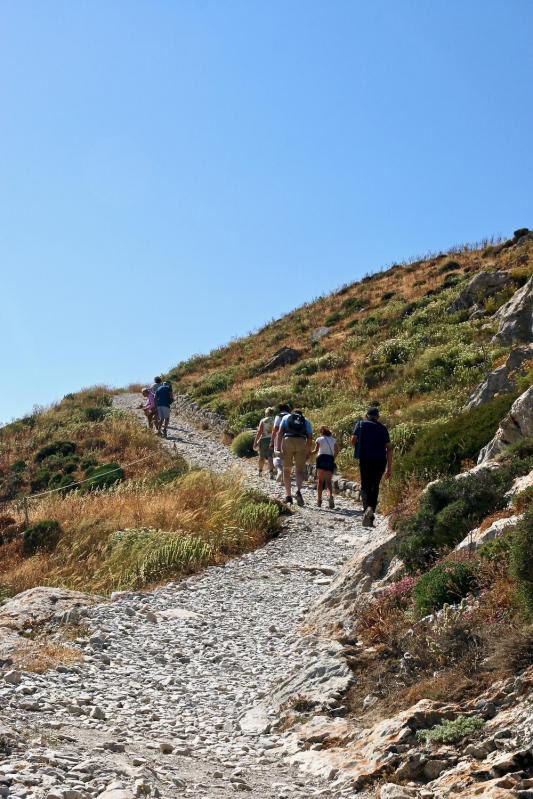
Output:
(394, 339)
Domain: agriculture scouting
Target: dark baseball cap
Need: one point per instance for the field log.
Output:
(373, 411)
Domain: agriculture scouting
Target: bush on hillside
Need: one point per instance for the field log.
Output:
(521, 561)
(449, 266)
(42, 536)
(242, 445)
(40, 480)
(376, 373)
(441, 448)
(449, 732)
(213, 383)
(57, 448)
(332, 319)
(95, 414)
(352, 304)
(448, 510)
(103, 476)
(446, 583)
(243, 421)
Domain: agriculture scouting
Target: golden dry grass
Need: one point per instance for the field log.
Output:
(41, 655)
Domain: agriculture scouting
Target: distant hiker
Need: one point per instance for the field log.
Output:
(149, 406)
(326, 449)
(157, 382)
(296, 439)
(163, 400)
(374, 451)
(275, 442)
(262, 441)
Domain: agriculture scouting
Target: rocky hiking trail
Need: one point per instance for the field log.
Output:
(169, 697)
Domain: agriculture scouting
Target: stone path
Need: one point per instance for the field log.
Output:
(168, 675)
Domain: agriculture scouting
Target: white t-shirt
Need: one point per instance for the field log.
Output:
(326, 445)
(268, 424)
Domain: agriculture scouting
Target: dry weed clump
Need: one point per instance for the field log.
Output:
(215, 510)
(39, 656)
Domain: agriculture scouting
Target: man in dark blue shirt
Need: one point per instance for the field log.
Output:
(373, 449)
(163, 401)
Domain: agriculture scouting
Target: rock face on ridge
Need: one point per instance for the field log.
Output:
(501, 381)
(482, 285)
(516, 425)
(516, 317)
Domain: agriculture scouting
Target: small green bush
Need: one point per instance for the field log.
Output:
(243, 421)
(352, 304)
(57, 448)
(441, 448)
(449, 266)
(41, 536)
(213, 383)
(521, 561)
(388, 295)
(95, 414)
(242, 445)
(447, 511)
(375, 374)
(449, 732)
(332, 319)
(446, 583)
(259, 517)
(103, 476)
(40, 480)
(18, 467)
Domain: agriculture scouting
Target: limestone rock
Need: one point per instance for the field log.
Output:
(392, 791)
(320, 333)
(282, 357)
(116, 793)
(336, 606)
(477, 537)
(482, 285)
(516, 425)
(179, 614)
(516, 317)
(38, 605)
(255, 721)
(500, 381)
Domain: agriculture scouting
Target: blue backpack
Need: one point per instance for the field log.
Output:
(296, 425)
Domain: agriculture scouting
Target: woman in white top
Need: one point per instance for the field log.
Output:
(262, 441)
(326, 449)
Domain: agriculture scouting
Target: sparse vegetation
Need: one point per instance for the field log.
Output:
(449, 732)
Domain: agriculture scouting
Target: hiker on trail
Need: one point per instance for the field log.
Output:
(275, 442)
(326, 449)
(163, 401)
(296, 440)
(262, 441)
(149, 406)
(157, 382)
(373, 449)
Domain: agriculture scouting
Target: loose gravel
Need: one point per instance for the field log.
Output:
(155, 708)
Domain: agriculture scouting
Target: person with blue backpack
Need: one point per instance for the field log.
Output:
(373, 449)
(296, 439)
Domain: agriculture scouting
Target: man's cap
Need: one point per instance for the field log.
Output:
(373, 411)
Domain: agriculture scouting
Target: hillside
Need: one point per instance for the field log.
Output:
(397, 662)
(396, 338)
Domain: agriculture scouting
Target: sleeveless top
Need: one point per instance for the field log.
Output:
(268, 424)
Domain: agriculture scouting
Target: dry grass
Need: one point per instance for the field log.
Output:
(199, 504)
(40, 655)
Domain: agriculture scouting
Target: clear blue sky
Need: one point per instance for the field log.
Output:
(176, 173)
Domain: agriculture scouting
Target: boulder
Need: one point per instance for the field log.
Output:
(320, 333)
(38, 605)
(482, 285)
(477, 537)
(516, 317)
(283, 357)
(501, 380)
(516, 425)
(337, 606)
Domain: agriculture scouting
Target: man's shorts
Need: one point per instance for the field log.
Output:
(294, 450)
(163, 412)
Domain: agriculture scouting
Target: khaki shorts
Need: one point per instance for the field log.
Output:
(294, 450)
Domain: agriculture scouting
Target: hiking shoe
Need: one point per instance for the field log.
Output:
(319, 503)
(272, 474)
(368, 518)
(299, 499)
(288, 500)
(331, 502)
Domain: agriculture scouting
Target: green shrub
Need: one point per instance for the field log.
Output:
(41, 536)
(521, 561)
(388, 295)
(238, 423)
(332, 319)
(352, 304)
(57, 448)
(441, 448)
(449, 732)
(215, 382)
(242, 445)
(447, 511)
(103, 476)
(375, 374)
(259, 517)
(446, 583)
(449, 266)
(18, 467)
(95, 414)
(40, 480)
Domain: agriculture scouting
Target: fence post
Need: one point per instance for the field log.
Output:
(26, 513)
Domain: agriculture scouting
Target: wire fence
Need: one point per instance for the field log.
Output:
(23, 503)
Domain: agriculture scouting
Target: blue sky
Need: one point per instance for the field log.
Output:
(174, 174)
